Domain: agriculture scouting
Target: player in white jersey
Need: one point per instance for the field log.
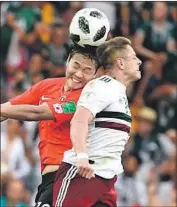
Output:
(99, 131)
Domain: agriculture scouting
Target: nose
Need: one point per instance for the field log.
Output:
(139, 62)
(79, 74)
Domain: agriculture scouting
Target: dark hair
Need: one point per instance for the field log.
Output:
(88, 52)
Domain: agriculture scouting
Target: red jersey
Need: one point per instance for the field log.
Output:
(54, 135)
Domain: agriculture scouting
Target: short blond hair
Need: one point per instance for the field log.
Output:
(110, 50)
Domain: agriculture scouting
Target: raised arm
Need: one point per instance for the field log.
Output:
(29, 97)
(138, 45)
(26, 112)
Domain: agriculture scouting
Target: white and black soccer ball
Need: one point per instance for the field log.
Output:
(89, 27)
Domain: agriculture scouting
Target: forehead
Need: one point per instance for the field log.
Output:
(160, 5)
(83, 60)
(130, 51)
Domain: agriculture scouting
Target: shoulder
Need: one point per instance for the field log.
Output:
(105, 84)
(51, 82)
(170, 26)
(144, 26)
(103, 87)
(54, 81)
(103, 81)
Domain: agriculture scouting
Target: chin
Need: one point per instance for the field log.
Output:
(77, 86)
(138, 76)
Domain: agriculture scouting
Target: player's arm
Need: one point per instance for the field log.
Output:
(92, 100)
(138, 40)
(27, 112)
(4, 105)
(51, 110)
(79, 129)
(31, 96)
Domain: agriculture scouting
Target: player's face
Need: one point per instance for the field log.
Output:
(80, 70)
(132, 65)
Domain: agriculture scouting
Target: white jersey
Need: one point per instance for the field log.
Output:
(109, 131)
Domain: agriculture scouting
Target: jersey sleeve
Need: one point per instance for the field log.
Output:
(31, 96)
(62, 111)
(96, 96)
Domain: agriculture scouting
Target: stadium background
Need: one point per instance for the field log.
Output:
(34, 38)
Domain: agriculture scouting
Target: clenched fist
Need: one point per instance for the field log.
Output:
(84, 168)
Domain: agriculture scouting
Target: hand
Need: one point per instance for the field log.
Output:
(162, 56)
(84, 168)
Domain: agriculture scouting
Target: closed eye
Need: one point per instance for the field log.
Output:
(88, 70)
(76, 65)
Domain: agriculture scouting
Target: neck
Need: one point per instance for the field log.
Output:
(160, 22)
(119, 77)
(66, 87)
(125, 82)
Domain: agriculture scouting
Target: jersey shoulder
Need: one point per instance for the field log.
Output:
(105, 79)
(51, 83)
(106, 82)
(58, 81)
(101, 81)
(102, 86)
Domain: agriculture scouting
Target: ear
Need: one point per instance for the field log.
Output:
(120, 63)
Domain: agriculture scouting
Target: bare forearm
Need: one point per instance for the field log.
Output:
(21, 112)
(24, 112)
(79, 133)
(144, 52)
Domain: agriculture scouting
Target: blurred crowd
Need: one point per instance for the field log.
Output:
(34, 46)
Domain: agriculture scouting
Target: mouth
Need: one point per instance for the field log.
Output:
(76, 81)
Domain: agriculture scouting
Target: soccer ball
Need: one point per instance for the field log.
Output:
(89, 27)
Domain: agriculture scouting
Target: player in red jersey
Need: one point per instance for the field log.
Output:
(55, 100)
